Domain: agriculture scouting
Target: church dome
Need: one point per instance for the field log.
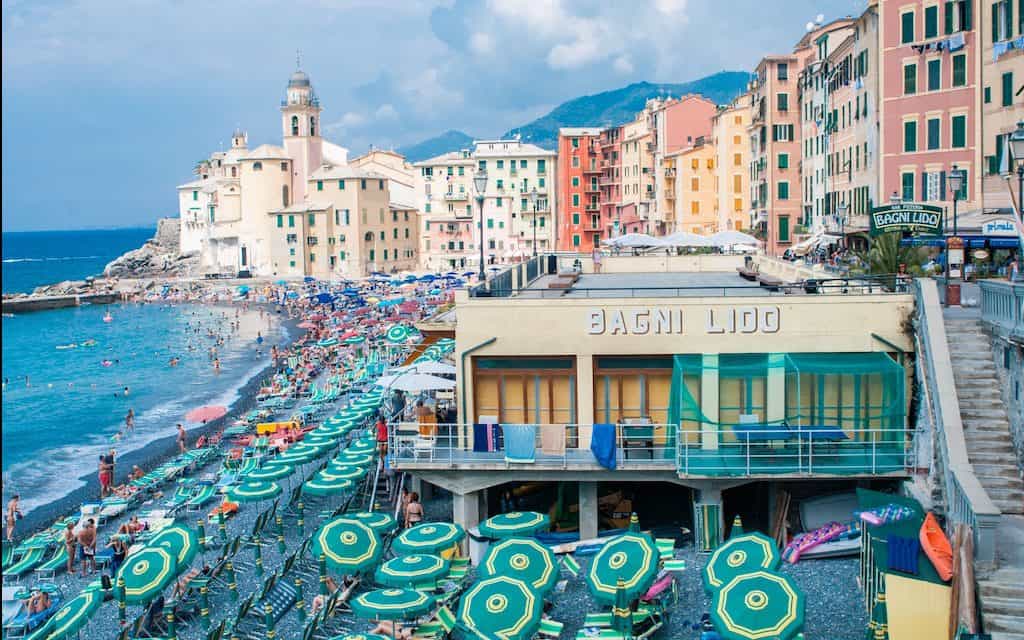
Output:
(298, 79)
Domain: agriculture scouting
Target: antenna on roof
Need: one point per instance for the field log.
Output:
(809, 26)
(820, 18)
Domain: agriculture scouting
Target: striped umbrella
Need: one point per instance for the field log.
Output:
(346, 471)
(71, 617)
(392, 604)
(758, 605)
(413, 571)
(377, 520)
(633, 557)
(331, 430)
(178, 540)
(349, 546)
(515, 523)
(501, 607)
(739, 555)
(320, 439)
(253, 491)
(320, 485)
(431, 537)
(355, 340)
(397, 333)
(360, 636)
(145, 573)
(524, 558)
(270, 472)
(349, 457)
(361, 446)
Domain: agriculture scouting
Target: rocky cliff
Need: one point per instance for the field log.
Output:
(159, 256)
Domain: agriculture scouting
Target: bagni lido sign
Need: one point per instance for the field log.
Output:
(906, 216)
(642, 321)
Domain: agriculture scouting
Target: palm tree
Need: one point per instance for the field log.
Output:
(885, 255)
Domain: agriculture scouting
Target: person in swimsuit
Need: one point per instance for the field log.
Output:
(87, 542)
(13, 513)
(413, 511)
(70, 545)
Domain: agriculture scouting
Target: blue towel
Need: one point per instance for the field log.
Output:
(520, 442)
(602, 445)
(480, 433)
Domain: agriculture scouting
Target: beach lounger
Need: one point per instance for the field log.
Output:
(28, 561)
(57, 562)
(181, 496)
(8, 554)
(439, 626)
(23, 622)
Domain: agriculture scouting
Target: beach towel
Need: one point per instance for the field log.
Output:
(481, 437)
(520, 442)
(495, 439)
(602, 445)
(552, 439)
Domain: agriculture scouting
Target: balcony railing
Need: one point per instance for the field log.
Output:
(1002, 304)
(731, 450)
(456, 196)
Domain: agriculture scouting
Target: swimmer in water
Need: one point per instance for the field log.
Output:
(126, 390)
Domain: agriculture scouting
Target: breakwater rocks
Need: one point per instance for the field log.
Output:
(158, 257)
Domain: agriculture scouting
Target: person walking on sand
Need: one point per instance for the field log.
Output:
(413, 511)
(129, 421)
(87, 542)
(70, 546)
(181, 439)
(597, 257)
(103, 473)
(13, 513)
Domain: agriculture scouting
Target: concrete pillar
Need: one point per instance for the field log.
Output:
(585, 398)
(709, 400)
(588, 510)
(466, 512)
(775, 388)
(416, 486)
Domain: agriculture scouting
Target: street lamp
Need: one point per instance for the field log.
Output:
(1017, 149)
(841, 210)
(480, 183)
(533, 203)
(956, 182)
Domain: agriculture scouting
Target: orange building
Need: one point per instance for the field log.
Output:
(579, 169)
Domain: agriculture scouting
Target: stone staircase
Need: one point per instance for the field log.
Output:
(986, 423)
(1002, 597)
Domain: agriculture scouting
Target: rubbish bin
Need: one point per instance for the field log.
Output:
(478, 546)
(552, 265)
(952, 295)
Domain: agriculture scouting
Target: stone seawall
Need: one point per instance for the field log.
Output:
(43, 303)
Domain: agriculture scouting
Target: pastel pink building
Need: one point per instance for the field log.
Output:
(929, 100)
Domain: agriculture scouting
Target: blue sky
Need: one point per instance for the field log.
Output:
(107, 105)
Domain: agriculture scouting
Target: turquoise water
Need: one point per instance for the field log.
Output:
(34, 258)
(57, 422)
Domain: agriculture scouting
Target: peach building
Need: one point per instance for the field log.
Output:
(637, 152)
(1002, 102)
(696, 198)
(675, 124)
(732, 157)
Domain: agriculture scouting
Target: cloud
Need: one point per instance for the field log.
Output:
(385, 112)
(623, 64)
(481, 43)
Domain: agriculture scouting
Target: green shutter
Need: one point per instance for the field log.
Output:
(280, 221)
(1009, 19)
(1007, 88)
(907, 27)
(319, 185)
(948, 16)
(933, 133)
(784, 229)
(931, 21)
(910, 79)
(783, 160)
(995, 21)
(959, 131)
(910, 135)
(959, 70)
(908, 187)
(988, 95)
(968, 8)
(934, 74)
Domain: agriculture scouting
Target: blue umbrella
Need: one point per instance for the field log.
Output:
(434, 292)
(428, 278)
(308, 279)
(291, 295)
(243, 289)
(281, 282)
(324, 298)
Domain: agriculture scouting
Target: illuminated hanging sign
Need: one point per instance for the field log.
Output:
(643, 321)
(906, 216)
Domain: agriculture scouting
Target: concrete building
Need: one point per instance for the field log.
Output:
(606, 204)
(445, 195)
(732, 158)
(675, 123)
(579, 170)
(696, 195)
(1002, 101)
(637, 153)
(930, 79)
(668, 384)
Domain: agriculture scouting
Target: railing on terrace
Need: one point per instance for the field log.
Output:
(967, 501)
(1002, 304)
(709, 452)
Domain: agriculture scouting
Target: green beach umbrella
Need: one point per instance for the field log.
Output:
(146, 573)
(355, 340)
(756, 605)
(349, 457)
(379, 521)
(270, 472)
(346, 471)
(361, 446)
(306, 448)
(737, 527)
(71, 617)
(178, 540)
(327, 430)
(524, 558)
(430, 537)
(360, 636)
(322, 440)
(349, 546)
(622, 614)
(254, 491)
(296, 459)
(501, 607)
(392, 604)
(738, 555)
(633, 557)
(411, 571)
(397, 333)
(515, 523)
(320, 485)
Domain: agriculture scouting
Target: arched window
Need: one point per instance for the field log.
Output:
(257, 166)
(284, 195)
(295, 125)
(368, 237)
(312, 126)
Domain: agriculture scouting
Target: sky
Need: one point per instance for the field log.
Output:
(108, 105)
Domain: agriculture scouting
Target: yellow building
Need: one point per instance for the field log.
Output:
(732, 157)
(696, 201)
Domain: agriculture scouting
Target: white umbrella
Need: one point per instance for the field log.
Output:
(415, 382)
(430, 366)
(685, 239)
(631, 240)
(726, 238)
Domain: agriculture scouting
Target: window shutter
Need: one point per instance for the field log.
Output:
(924, 186)
(942, 185)
(948, 11)
(995, 22)
(966, 26)
(1009, 19)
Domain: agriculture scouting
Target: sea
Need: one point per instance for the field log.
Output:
(70, 377)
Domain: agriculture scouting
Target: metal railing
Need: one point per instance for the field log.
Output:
(1002, 304)
(967, 501)
(707, 452)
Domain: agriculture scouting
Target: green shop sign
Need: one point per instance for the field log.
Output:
(922, 218)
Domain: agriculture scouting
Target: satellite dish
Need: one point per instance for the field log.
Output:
(810, 26)
(819, 18)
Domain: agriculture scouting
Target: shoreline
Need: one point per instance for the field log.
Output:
(154, 453)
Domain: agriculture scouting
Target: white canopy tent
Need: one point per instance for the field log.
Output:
(633, 241)
(411, 382)
(432, 367)
(729, 238)
(685, 239)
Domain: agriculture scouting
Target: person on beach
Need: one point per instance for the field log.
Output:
(70, 546)
(129, 421)
(87, 543)
(120, 548)
(216, 365)
(382, 435)
(104, 477)
(13, 513)
(413, 511)
(181, 439)
(38, 602)
(392, 630)
(136, 473)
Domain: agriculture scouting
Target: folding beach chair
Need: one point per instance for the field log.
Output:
(57, 562)
(204, 494)
(26, 563)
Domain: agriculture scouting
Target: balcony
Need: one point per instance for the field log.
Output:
(732, 451)
(592, 207)
(670, 172)
(670, 195)
(593, 169)
(591, 188)
(454, 197)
